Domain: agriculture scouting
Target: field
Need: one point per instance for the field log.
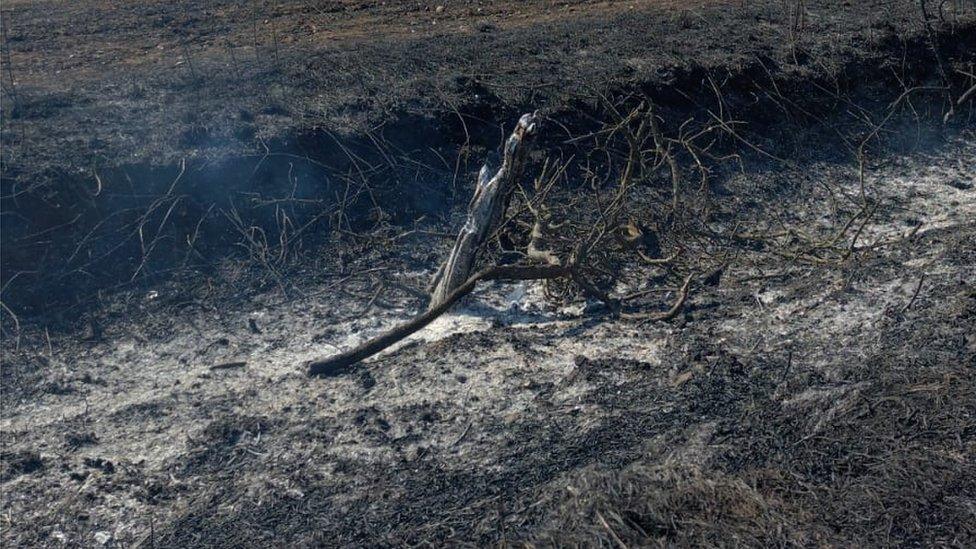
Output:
(200, 198)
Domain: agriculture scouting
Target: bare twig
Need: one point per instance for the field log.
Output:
(911, 302)
(670, 313)
(16, 323)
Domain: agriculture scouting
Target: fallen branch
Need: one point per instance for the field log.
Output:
(455, 280)
(343, 363)
(670, 313)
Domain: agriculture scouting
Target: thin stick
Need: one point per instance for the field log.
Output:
(670, 313)
(613, 534)
(914, 295)
(16, 323)
(464, 434)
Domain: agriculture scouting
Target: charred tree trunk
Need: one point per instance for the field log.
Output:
(486, 209)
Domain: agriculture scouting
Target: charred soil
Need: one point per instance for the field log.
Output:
(205, 199)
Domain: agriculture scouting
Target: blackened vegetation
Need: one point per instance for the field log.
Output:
(226, 441)
(136, 226)
(734, 425)
(20, 463)
(736, 447)
(85, 225)
(887, 464)
(886, 457)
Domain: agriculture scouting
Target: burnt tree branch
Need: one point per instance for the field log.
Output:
(344, 362)
(486, 209)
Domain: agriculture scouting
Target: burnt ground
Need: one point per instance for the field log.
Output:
(91, 86)
(788, 405)
(156, 400)
(140, 143)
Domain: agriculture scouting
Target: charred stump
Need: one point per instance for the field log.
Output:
(485, 211)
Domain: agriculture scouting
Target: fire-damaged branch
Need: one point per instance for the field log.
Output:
(454, 279)
(586, 251)
(342, 363)
(487, 207)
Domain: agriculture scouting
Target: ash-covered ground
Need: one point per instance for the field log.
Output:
(198, 201)
(788, 404)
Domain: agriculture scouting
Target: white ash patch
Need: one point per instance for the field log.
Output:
(936, 191)
(824, 404)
